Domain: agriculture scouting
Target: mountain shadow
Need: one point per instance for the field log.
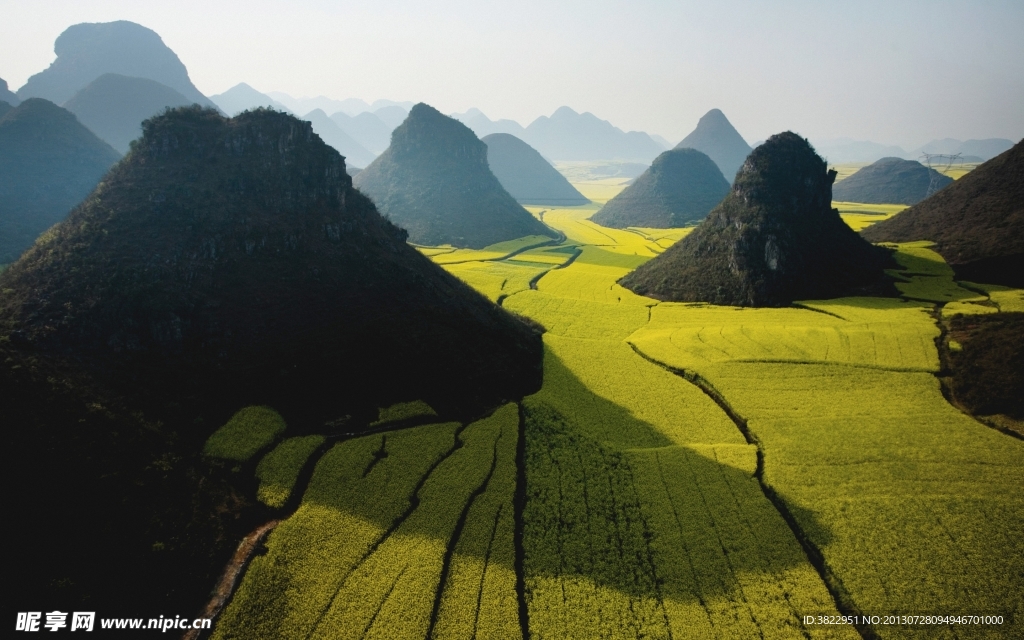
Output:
(526, 175)
(679, 188)
(49, 162)
(890, 181)
(716, 137)
(88, 50)
(114, 106)
(977, 222)
(223, 263)
(772, 240)
(434, 181)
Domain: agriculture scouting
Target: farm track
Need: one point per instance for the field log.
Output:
(840, 596)
(232, 577)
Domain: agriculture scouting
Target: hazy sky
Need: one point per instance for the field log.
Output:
(899, 72)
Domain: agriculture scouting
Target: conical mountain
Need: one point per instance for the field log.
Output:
(890, 181)
(526, 175)
(232, 262)
(113, 106)
(6, 95)
(773, 240)
(88, 50)
(716, 137)
(434, 181)
(977, 222)
(49, 162)
(679, 188)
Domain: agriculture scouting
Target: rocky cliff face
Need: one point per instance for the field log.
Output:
(773, 239)
(434, 180)
(234, 258)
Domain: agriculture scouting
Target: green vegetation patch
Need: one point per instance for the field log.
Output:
(279, 469)
(404, 411)
(248, 431)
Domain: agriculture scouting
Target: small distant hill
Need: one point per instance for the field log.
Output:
(365, 128)
(679, 188)
(977, 222)
(49, 162)
(567, 135)
(332, 134)
(6, 95)
(434, 180)
(890, 181)
(242, 97)
(716, 137)
(772, 240)
(88, 50)
(113, 106)
(526, 175)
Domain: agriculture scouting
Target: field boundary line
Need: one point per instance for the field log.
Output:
(833, 584)
(518, 507)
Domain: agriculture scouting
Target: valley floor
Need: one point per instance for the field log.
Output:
(686, 471)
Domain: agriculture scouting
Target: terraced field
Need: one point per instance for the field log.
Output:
(686, 471)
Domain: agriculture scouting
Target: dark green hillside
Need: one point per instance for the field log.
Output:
(4, 108)
(526, 175)
(890, 181)
(223, 263)
(114, 106)
(988, 377)
(774, 239)
(6, 95)
(48, 163)
(977, 222)
(716, 137)
(679, 188)
(88, 50)
(434, 181)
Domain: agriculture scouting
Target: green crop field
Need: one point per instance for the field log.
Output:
(685, 471)
(249, 430)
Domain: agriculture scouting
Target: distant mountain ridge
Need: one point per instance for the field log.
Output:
(113, 106)
(6, 95)
(434, 180)
(242, 97)
(567, 136)
(88, 50)
(716, 137)
(355, 154)
(49, 162)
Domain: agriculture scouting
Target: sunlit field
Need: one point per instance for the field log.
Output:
(686, 471)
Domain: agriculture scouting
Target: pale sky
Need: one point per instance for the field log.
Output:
(896, 72)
